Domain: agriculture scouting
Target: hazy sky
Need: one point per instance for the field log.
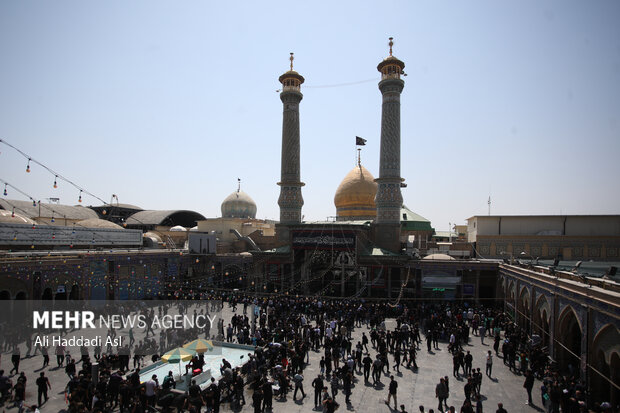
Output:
(167, 103)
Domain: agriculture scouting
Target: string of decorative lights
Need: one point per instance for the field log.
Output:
(6, 184)
(57, 175)
(402, 289)
(55, 185)
(50, 208)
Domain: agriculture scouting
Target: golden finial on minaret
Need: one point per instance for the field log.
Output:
(391, 43)
(291, 79)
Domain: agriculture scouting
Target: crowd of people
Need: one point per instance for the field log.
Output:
(284, 331)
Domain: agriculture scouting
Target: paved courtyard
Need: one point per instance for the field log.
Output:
(415, 388)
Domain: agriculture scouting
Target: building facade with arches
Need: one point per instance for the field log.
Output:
(576, 318)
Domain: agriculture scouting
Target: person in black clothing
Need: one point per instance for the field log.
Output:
(46, 357)
(496, 345)
(468, 389)
(330, 405)
(125, 395)
(5, 386)
(397, 359)
(70, 369)
(134, 379)
(367, 362)
(209, 394)
(500, 408)
(267, 395)
(317, 384)
(455, 365)
(238, 387)
(467, 407)
(15, 358)
(43, 384)
(195, 398)
(114, 385)
(365, 341)
(412, 356)
(346, 386)
(19, 392)
(217, 391)
(528, 385)
(392, 392)
(257, 400)
(299, 379)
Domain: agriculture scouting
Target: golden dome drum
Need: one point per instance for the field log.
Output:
(355, 197)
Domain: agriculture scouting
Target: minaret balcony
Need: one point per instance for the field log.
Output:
(291, 89)
(390, 76)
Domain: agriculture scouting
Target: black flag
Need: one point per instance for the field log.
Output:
(360, 141)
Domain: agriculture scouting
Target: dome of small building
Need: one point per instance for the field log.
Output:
(355, 197)
(9, 217)
(238, 205)
(151, 240)
(444, 257)
(152, 235)
(178, 228)
(194, 229)
(98, 223)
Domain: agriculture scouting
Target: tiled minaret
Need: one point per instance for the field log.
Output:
(389, 199)
(290, 200)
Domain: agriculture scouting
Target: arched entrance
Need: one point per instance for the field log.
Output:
(75, 292)
(5, 316)
(511, 300)
(47, 294)
(524, 313)
(20, 307)
(568, 345)
(614, 367)
(540, 322)
(605, 359)
(61, 294)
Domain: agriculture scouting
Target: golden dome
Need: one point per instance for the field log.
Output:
(355, 197)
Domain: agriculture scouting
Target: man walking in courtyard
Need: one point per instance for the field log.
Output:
(318, 386)
(489, 363)
(441, 392)
(528, 385)
(392, 392)
(42, 385)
